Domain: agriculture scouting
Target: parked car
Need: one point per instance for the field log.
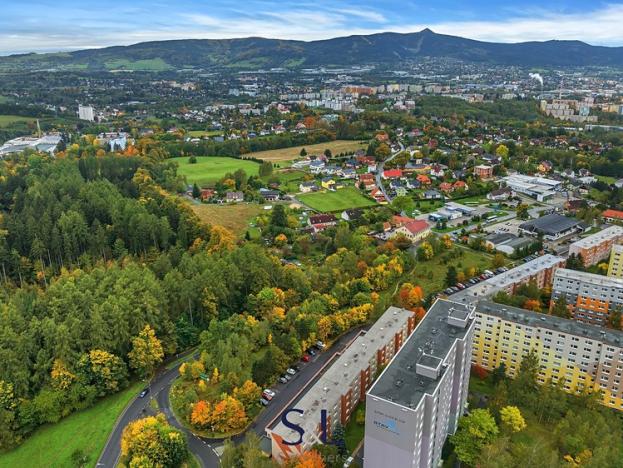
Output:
(305, 358)
(311, 351)
(488, 272)
(320, 345)
(348, 462)
(268, 394)
(290, 371)
(143, 393)
(284, 379)
(264, 402)
(448, 291)
(455, 289)
(461, 286)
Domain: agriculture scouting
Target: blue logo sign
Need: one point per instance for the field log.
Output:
(295, 427)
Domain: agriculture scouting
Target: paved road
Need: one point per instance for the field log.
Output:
(206, 450)
(379, 171)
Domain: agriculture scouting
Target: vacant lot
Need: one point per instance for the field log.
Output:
(431, 275)
(289, 154)
(234, 217)
(339, 200)
(86, 430)
(209, 169)
(6, 120)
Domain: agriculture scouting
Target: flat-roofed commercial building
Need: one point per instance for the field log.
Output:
(615, 266)
(590, 298)
(418, 399)
(583, 356)
(343, 385)
(540, 270)
(597, 247)
(551, 227)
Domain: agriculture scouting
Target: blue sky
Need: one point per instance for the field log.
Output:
(44, 25)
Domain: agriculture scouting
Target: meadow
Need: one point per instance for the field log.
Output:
(342, 199)
(235, 217)
(86, 431)
(290, 154)
(209, 169)
(6, 120)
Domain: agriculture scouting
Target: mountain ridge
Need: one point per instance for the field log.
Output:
(379, 48)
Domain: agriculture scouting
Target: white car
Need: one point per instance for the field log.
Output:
(291, 371)
(348, 461)
(268, 394)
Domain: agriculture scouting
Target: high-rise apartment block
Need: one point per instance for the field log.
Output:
(583, 356)
(418, 399)
(597, 247)
(615, 266)
(591, 298)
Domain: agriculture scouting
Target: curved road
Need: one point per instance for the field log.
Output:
(379, 171)
(207, 450)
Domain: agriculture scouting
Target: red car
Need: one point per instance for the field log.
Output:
(305, 358)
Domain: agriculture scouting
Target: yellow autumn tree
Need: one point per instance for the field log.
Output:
(248, 393)
(62, 378)
(512, 419)
(151, 442)
(228, 415)
(221, 239)
(146, 352)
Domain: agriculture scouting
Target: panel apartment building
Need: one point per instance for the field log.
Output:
(418, 399)
(597, 247)
(615, 266)
(343, 385)
(586, 357)
(590, 298)
(541, 270)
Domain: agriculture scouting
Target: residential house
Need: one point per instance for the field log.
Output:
(611, 216)
(415, 230)
(377, 194)
(352, 214)
(501, 194)
(445, 187)
(433, 195)
(328, 183)
(413, 184)
(206, 194)
(483, 171)
(367, 180)
(306, 187)
(423, 179)
(320, 222)
(437, 170)
(233, 197)
(460, 185)
(392, 174)
(269, 195)
(316, 166)
(347, 173)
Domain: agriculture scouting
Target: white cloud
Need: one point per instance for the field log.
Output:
(602, 26)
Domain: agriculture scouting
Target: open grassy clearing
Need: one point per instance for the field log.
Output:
(431, 275)
(209, 169)
(234, 217)
(6, 120)
(339, 200)
(87, 430)
(289, 154)
(203, 133)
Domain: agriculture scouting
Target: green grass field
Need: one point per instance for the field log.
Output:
(156, 64)
(209, 169)
(88, 430)
(342, 199)
(431, 275)
(203, 133)
(6, 120)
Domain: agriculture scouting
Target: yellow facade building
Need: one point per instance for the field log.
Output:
(615, 267)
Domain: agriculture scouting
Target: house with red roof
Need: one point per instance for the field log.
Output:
(377, 194)
(423, 179)
(367, 180)
(460, 185)
(611, 216)
(415, 230)
(392, 174)
(445, 187)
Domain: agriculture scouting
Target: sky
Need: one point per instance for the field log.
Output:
(62, 25)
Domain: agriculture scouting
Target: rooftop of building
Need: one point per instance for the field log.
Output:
(551, 322)
(588, 278)
(403, 381)
(324, 393)
(550, 224)
(607, 234)
(503, 280)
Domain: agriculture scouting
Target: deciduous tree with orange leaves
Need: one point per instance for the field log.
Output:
(228, 415)
(201, 415)
(309, 459)
(410, 296)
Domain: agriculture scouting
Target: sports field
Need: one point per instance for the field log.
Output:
(289, 154)
(86, 430)
(342, 199)
(209, 169)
